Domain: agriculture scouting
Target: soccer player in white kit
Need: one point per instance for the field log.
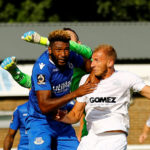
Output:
(107, 107)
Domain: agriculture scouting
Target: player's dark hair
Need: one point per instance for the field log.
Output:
(58, 35)
(69, 29)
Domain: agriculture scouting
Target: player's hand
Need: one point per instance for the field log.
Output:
(9, 63)
(86, 88)
(92, 78)
(142, 138)
(60, 114)
(31, 36)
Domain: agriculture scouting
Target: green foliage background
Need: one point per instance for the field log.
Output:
(74, 10)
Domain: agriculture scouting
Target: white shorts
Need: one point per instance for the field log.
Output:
(104, 141)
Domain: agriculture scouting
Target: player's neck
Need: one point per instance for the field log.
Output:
(108, 74)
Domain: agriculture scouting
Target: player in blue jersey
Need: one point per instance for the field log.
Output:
(50, 92)
(9, 63)
(76, 46)
(17, 123)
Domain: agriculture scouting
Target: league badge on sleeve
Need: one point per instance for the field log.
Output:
(41, 79)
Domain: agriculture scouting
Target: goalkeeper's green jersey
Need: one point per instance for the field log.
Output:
(77, 75)
(84, 130)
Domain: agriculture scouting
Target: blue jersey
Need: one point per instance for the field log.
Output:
(18, 122)
(47, 76)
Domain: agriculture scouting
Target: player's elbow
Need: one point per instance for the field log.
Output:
(46, 110)
(43, 109)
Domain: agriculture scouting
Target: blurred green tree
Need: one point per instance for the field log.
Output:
(25, 11)
(79, 10)
(123, 10)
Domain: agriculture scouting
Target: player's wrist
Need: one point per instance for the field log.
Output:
(44, 41)
(13, 70)
(74, 94)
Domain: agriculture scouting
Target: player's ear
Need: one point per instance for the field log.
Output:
(50, 50)
(110, 63)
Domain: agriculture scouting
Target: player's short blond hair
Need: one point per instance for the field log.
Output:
(58, 35)
(108, 49)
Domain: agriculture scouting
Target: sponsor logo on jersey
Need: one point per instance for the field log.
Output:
(41, 65)
(38, 141)
(25, 114)
(41, 79)
(55, 69)
(63, 87)
(103, 99)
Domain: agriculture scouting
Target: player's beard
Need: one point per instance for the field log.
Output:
(56, 62)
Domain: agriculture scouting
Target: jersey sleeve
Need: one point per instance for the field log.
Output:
(41, 77)
(137, 84)
(76, 59)
(15, 120)
(82, 81)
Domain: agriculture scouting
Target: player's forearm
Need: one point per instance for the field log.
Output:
(146, 129)
(8, 142)
(8, 146)
(20, 77)
(146, 92)
(81, 49)
(44, 41)
(72, 117)
(81, 127)
(48, 104)
(51, 104)
(9, 64)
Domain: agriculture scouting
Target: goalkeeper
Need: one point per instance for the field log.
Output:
(24, 80)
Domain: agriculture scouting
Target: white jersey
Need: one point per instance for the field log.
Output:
(107, 107)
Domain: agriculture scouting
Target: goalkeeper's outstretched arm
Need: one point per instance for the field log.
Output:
(34, 37)
(21, 78)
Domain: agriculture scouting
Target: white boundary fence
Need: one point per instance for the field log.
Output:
(8, 87)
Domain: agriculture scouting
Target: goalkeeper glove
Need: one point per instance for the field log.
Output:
(9, 63)
(34, 37)
(21, 78)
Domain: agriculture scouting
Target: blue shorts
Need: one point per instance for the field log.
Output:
(51, 135)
